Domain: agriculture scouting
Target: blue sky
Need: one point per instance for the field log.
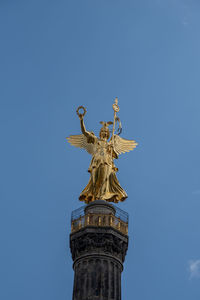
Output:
(57, 55)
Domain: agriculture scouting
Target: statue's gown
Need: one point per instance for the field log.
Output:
(103, 183)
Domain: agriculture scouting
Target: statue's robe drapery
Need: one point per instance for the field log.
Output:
(103, 183)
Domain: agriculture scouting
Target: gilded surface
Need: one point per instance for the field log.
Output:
(103, 183)
(99, 220)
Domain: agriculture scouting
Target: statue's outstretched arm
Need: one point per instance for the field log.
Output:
(89, 135)
(83, 129)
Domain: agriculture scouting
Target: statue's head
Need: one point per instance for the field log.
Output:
(104, 132)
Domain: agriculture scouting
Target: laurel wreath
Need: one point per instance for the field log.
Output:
(84, 111)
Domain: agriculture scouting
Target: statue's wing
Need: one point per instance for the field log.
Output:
(122, 145)
(81, 141)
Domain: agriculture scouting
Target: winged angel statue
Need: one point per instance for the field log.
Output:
(103, 183)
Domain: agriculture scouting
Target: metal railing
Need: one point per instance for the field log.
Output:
(80, 219)
(79, 212)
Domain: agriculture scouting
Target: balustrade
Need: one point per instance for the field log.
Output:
(99, 220)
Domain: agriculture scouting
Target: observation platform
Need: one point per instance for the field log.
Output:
(99, 213)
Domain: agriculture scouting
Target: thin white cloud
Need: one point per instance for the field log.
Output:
(194, 268)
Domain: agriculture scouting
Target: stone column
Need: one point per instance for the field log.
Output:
(98, 251)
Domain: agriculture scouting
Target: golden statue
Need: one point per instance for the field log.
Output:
(103, 183)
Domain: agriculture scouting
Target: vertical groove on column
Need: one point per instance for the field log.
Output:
(109, 279)
(97, 270)
(103, 268)
(116, 282)
(105, 279)
(79, 280)
(84, 283)
(77, 283)
(101, 279)
(112, 281)
(87, 279)
(82, 278)
(91, 278)
(120, 283)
